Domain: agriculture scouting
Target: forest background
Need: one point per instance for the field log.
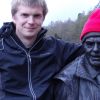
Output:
(68, 30)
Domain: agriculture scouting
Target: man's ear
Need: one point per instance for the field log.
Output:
(13, 19)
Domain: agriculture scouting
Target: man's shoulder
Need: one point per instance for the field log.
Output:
(68, 72)
(61, 42)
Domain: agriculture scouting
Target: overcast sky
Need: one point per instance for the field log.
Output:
(58, 9)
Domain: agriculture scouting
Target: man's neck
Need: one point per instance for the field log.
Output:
(27, 41)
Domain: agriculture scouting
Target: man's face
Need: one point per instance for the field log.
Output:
(92, 48)
(28, 21)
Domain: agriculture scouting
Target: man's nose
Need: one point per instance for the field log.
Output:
(31, 20)
(96, 47)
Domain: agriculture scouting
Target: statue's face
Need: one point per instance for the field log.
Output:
(92, 48)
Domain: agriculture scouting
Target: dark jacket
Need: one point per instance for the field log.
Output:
(26, 74)
(77, 82)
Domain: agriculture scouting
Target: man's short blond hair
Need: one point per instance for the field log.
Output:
(16, 3)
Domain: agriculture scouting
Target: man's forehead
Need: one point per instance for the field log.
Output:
(93, 38)
(91, 34)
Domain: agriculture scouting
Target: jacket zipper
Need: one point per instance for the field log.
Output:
(29, 70)
(29, 77)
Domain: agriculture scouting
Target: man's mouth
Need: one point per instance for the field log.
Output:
(96, 58)
(30, 29)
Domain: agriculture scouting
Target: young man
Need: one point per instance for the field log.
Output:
(80, 80)
(29, 60)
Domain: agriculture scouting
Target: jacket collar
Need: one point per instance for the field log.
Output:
(8, 29)
(84, 70)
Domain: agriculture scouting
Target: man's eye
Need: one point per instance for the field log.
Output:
(25, 15)
(89, 44)
(37, 15)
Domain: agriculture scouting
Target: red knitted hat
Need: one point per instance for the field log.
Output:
(92, 24)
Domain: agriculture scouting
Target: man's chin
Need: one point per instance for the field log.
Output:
(95, 62)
